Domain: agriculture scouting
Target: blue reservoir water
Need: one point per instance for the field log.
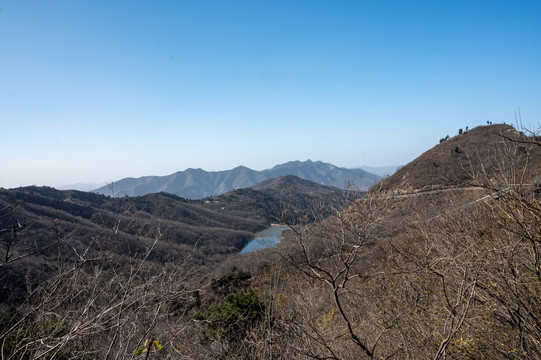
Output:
(264, 239)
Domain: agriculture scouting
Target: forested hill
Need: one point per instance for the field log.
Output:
(392, 275)
(223, 222)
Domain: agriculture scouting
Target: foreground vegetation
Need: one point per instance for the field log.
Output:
(449, 273)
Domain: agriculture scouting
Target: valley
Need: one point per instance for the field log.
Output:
(439, 260)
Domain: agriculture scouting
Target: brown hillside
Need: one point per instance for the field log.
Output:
(458, 161)
(422, 275)
(448, 274)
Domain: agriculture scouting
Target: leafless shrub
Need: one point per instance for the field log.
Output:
(458, 276)
(100, 304)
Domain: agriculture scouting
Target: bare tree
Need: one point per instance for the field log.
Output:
(101, 304)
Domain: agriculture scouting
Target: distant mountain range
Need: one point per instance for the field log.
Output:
(198, 183)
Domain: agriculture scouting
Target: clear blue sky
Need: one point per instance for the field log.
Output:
(98, 90)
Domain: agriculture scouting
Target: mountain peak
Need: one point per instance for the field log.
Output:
(198, 183)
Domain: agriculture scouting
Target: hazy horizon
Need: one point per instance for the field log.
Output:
(93, 92)
(89, 186)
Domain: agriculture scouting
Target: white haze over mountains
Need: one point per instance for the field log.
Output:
(382, 171)
(81, 187)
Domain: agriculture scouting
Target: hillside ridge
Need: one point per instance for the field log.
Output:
(456, 161)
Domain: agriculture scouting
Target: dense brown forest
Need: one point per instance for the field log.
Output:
(440, 261)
